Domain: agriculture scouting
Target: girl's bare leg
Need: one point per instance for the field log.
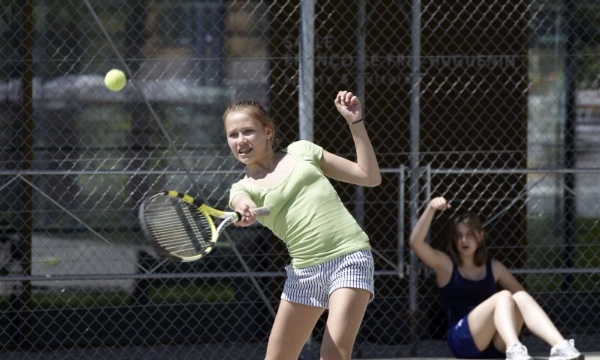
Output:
(292, 327)
(496, 320)
(347, 308)
(536, 319)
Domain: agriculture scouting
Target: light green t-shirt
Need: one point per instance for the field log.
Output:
(306, 211)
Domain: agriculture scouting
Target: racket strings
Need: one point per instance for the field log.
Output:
(179, 228)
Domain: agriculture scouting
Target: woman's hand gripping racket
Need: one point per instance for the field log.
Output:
(183, 227)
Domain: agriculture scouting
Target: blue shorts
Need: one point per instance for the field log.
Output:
(313, 285)
(462, 345)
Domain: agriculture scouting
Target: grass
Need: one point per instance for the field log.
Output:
(191, 294)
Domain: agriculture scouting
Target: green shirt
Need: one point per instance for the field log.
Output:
(306, 211)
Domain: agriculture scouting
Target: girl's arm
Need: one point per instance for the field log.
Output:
(505, 278)
(365, 170)
(435, 259)
(243, 204)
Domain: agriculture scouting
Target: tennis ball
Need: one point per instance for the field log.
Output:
(51, 261)
(115, 80)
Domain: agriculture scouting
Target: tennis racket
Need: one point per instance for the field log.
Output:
(183, 227)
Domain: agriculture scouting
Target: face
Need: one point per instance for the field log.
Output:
(466, 239)
(247, 138)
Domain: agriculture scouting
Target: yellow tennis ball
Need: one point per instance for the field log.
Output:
(51, 261)
(115, 80)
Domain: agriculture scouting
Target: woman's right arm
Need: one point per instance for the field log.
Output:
(243, 204)
(435, 259)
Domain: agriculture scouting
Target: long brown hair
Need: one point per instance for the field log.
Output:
(257, 111)
(474, 223)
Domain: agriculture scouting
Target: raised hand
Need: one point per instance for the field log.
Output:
(349, 106)
(439, 203)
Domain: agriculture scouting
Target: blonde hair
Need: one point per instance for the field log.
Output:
(255, 110)
(474, 223)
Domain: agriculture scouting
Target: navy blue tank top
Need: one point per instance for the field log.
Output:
(461, 295)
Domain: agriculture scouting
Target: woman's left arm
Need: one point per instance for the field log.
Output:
(365, 170)
(505, 278)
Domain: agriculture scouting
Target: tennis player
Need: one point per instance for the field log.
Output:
(483, 321)
(331, 262)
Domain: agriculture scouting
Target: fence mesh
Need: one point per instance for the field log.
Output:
(493, 104)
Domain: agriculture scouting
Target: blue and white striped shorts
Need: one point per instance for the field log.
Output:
(314, 284)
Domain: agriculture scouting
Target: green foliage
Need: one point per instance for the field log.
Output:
(545, 251)
(70, 298)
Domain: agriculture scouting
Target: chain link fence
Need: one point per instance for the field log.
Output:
(493, 104)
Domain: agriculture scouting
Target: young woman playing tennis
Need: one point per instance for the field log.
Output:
(331, 262)
(483, 321)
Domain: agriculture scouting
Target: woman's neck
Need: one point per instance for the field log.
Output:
(263, 167)
(468, 262)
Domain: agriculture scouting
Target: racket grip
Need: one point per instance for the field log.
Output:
(262, 211)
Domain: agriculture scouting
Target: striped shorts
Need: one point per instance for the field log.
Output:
(314, 284)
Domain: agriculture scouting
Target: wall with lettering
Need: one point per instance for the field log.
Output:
(472, 99)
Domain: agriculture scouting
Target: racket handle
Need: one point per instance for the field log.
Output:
(262, 211)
